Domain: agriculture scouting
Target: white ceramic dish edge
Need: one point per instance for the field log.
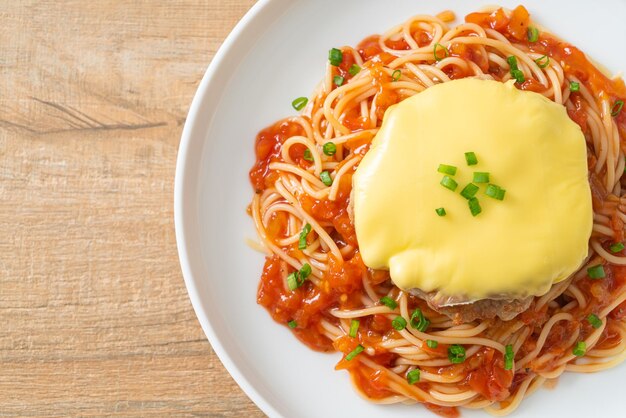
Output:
(182, 222)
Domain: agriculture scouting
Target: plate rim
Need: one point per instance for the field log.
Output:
(180, 223)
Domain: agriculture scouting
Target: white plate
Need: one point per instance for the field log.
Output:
(275, 54)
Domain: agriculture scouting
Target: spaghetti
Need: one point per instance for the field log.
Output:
(315, 282)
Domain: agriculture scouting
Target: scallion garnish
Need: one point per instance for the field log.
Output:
(398, 323)
(292, 324)
(292, 281)
(354, 70)
(413, 376)
(456, 354)
(395, 76)
(299, 103)
(354, 327)
(432, 343)
(305, 271)
(480, 177)
(469, 191)
(580, 349)
(388, 302)
(338, 80)
(449, 183)
(509, 356)
(329, 148)
(594, 321)
(617, 108)
(440, 211)
(335, 56)
(495, 192)
(447, 169)
(303, 234)
(574, 86)
(617, 247)
(297, 278)
(326, 179)
(419, 321)
(543, 61)
(596, 272)
(516, 73)
(470, 158)
(474, 206)
(352, 354)
(307, 155)
(533, 34)
(445, 50)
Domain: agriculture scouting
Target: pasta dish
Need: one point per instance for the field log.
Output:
(446, 210)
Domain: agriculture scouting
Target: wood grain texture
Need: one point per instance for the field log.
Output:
(95, 316)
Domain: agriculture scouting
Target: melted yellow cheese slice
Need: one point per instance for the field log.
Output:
(538, 235)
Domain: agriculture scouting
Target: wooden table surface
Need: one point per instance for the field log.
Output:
(95, 318)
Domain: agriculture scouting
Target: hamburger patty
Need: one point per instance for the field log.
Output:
(459, 312)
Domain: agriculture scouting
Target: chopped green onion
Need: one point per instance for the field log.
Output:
(474, 206)
(388, 302)
(329, 148)
(617, 247)
(395, 76)
(440, 211)
(352, 354)
(305, 271)
(509, 356)
(456, 354)
(432, 343)
(307, 155)
(449, 183)
(594, 321)
(303, 234)
(580, 349)
(398, 323)
(480, 177)
(492, 190)
(495, 191)
(533, 34)
(469, 191)
(413, 376)
(445, 50)
(299, 103)
(338, 80)
(574, 86)
(292, 324)
(354, 70)
(297, 278)
(335, 56)
(419, 321)
(293, 281)
(470, 158)
(325, 177)
(518, 75)
(354, 327)
(617, 107)
(543, 61)
(447, 169)
(596, 272)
